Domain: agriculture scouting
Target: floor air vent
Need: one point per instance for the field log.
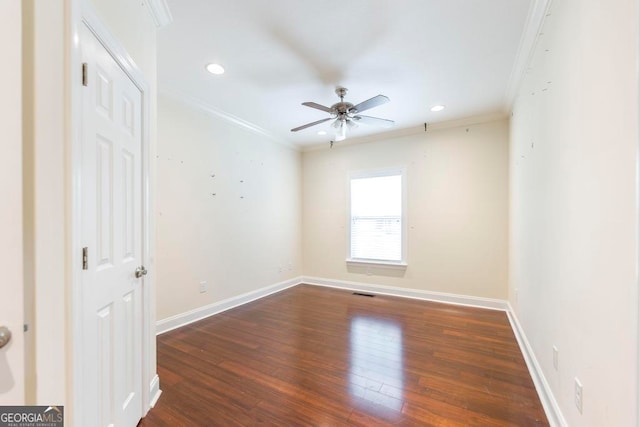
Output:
(361, 294)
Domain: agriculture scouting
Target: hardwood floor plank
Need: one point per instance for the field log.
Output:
(311, 356)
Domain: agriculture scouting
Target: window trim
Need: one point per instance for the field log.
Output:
(374, 173)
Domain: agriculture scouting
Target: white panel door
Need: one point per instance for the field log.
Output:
(11, 281)
(112, 233)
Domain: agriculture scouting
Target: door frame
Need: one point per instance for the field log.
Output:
(83, 14)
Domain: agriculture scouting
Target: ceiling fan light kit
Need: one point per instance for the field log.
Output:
(346, 115)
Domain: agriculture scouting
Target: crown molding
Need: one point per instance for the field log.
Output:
(203, 106)
(414, 130)
(538, 10)
(159, 10)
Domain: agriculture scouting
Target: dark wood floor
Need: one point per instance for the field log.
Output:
(313, 356)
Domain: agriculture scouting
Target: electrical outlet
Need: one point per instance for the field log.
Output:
(578, 394)
(204, 287)
(290, 266)
(515, 294)
(555, 357)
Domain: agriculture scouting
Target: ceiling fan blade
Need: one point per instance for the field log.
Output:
(308, 125)
(318, 106)
(375, 121)
(369, 103)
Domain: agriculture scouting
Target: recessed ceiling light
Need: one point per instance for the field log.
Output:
(322, 132)
(437, 108)
(215, 69)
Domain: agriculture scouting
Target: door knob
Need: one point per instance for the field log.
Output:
(5, 336)
(141, 271)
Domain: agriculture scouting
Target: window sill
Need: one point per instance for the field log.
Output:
(400, 265)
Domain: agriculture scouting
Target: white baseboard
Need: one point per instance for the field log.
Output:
(170, 323)
(549, 403)
(490, 303)
(154, 391)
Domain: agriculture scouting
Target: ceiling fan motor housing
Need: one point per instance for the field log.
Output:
(342, 109)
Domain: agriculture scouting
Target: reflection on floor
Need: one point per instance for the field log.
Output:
(376, 361)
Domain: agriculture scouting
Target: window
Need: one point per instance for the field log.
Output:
(376, 218)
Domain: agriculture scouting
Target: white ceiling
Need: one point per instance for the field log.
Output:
(280, 53)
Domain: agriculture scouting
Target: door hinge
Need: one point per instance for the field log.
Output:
(85, 258)
(85, 77)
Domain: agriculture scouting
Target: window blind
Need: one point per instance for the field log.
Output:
(376, 218)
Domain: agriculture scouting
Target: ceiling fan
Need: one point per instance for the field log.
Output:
(346, 115)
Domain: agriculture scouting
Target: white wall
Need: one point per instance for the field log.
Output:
(457, 215)
(12, 390)
(44, 166)
(574, 215)
(243, 238)
(132, 24)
